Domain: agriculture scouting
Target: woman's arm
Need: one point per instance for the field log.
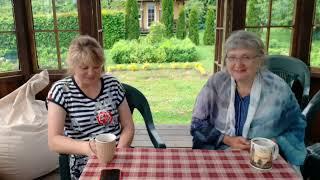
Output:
(127, 126)
(205, 135)
(291, 141)
(56, 140)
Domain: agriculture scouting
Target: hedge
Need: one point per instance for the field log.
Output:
(114, 27)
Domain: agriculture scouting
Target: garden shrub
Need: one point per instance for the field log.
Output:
(121, 51)
(156, 33)
(179, 50)
(133, 51)
(170, 50)
(149, 53)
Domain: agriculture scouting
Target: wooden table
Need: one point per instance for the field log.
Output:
(150, 163)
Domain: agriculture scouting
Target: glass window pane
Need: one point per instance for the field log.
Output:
(280, 40)
(65, 40)
(150, 13)
(315, 49)
(46, 50)
(42, 14)
(6, 18)
(261, 32)
(67, 14)
(282, 12)
(8, 53)
(257, 12)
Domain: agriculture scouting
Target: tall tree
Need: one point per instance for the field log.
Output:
(167, 16)
(181, 26)
(194, 26)
(208, 37)
(132, 20)
(202, 6)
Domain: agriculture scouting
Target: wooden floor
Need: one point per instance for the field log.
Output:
(174, 136)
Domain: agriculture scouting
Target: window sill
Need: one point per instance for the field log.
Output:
(315, 72)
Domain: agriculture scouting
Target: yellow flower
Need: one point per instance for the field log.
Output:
(187, 65)
(174, 65)
(146, 66)
(200, 69)
(109, 69)
(133, 67)
(120, 67)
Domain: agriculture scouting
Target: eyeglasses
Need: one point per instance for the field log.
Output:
(243, 59)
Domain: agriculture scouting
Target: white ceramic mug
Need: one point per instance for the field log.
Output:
(262, 152)
(105, 147)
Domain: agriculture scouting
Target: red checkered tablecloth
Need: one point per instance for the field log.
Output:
(150, 163)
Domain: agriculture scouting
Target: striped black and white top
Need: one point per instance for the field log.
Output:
(87, 117)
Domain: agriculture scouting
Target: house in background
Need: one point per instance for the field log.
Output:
(150, 11)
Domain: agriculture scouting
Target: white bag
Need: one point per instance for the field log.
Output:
(24, 152)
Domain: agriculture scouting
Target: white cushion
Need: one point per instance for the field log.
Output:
(24, 152)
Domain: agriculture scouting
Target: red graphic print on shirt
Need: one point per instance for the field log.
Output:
(104, 117)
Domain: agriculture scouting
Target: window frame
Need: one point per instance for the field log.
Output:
(28, 61)
(56, 32)
(235, 20)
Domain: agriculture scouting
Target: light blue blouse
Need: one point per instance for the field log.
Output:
(273, 113)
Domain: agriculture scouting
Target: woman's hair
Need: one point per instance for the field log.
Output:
(84, 50)
(245, 40)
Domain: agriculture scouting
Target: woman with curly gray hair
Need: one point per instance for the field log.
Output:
(244, 101)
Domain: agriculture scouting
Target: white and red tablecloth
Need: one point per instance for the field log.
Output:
(150, 163)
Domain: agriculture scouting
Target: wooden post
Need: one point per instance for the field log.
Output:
(302, 34)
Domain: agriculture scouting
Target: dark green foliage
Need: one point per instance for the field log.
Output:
(209, 35)
(169, 50)
(167, 16)
(202, 6)
(181, 25)
(113, 27)
(132, 20)
(253, 16)
(194, 26)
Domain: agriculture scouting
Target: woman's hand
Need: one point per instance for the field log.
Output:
(237, 142)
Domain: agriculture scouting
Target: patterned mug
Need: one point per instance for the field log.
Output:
(262, 152)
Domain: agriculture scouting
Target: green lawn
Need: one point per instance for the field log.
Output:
(171, 93)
